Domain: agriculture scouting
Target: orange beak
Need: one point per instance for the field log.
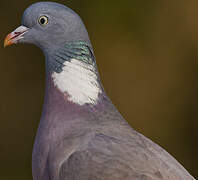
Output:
(8, 40)
(15, 36)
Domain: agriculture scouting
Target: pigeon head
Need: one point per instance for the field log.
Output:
(62, 36)
(48, 25)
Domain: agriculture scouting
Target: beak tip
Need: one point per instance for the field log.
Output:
(4, 44)
(15, 36)
(7, 41)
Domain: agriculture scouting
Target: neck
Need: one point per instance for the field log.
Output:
(73, 72)
(62, 112)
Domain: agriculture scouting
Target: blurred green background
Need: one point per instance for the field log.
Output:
(147, 54)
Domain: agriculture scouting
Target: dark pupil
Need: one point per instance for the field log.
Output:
(42, 20)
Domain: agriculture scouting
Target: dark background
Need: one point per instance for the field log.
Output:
(147, 53)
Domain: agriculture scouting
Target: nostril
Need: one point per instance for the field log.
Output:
(16, 34)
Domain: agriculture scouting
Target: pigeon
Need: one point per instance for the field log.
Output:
(81, 135)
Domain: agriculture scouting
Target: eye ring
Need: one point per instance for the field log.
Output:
(43, 20)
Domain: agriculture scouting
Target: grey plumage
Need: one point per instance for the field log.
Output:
(89, 141)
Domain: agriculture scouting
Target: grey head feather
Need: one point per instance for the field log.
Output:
(64, 36)
(64, 25)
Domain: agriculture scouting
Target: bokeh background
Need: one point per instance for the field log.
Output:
(147, 54)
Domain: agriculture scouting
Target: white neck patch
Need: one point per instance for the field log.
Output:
(79, 81)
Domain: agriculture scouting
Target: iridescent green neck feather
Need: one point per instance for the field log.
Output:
(75, 74)
(81, 51)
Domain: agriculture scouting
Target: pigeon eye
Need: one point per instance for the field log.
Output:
(43, 20)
